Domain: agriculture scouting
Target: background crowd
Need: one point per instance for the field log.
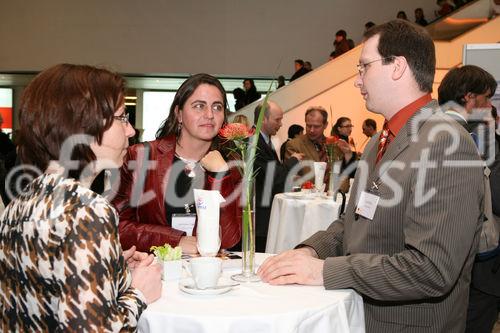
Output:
(86, 249)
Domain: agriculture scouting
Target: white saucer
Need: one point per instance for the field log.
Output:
(300, 195)
(187, 285)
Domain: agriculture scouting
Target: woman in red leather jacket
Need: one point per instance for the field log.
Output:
(180, 159)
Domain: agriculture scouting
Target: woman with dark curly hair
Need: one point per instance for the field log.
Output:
(182, 158)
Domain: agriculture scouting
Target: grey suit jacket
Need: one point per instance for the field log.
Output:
(412, 262)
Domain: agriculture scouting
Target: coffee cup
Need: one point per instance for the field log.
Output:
(205, 271)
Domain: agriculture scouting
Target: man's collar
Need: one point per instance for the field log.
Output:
(459, 115)
(401, 117)
(320, 140)
(265, 137)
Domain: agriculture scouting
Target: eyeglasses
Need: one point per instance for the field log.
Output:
(362, 66)
(123, 118)
(350, 125)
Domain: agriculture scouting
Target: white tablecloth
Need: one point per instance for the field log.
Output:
(294, 220)
(255, 307)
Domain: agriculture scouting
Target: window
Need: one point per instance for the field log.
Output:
(6, 109)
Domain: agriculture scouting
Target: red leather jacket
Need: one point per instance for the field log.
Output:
(143, 220)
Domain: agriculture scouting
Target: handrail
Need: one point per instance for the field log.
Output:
(453, 12)
(460, 21)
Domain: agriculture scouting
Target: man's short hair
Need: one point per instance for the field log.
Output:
(319, 109)
(402, 38)
(370, 123)
(299, 61)
(294, 130)
(257, 112)
(341, 33)
(467, 79)
(369, 25)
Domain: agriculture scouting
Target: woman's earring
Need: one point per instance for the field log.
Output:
(179, 128)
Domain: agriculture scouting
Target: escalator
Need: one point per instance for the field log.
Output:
(332, 84)
(460, 21)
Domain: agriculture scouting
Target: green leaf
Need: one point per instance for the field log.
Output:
(166, 252)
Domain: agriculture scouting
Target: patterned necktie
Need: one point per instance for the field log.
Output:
(384, 140)
(321, 151)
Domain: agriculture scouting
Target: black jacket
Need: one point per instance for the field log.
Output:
(267, 161)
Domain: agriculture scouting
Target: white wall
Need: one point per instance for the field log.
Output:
(228, 37)
(486, 56)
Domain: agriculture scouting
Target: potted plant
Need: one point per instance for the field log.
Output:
(171, 259)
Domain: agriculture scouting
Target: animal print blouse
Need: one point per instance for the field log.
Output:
(61, 263)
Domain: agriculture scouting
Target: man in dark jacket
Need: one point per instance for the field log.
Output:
(341, 44)
(463, 93)
(271, 173)
(299, 69)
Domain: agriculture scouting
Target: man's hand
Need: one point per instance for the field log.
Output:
(345, 148)
(298, 156)
(299, 266)
(137, 259)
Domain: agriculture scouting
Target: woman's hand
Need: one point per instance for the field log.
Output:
(188, 245)
(214, 162)
(135, 258)
(148, 280)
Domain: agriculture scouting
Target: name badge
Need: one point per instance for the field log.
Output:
(367, 205)
(184, 222)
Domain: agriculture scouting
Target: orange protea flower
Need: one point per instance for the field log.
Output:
(236, 131)
(332, 140)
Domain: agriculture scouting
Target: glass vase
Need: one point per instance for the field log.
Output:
(331, 181)
(332, 177)
(248, 237)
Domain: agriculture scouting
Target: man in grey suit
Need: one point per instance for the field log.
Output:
(409, 235)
